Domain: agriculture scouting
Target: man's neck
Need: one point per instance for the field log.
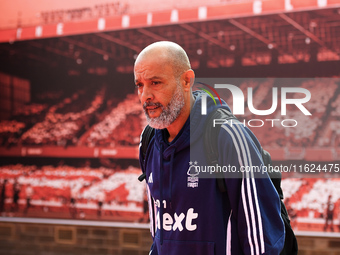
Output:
(178, 124)
(176, 127)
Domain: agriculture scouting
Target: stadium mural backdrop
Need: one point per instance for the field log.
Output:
(71, 118)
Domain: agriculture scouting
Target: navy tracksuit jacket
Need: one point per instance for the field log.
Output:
(189, 215)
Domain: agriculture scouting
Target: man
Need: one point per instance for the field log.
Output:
(3, 196)
(101, 199)
(16, 192)
(198, 219)
(329, 213)
(29, 194)
(73, 198)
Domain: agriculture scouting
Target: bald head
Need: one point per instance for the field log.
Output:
(170, 53)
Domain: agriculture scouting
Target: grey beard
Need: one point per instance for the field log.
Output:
(169, 113)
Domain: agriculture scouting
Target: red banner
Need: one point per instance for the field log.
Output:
(165, 17)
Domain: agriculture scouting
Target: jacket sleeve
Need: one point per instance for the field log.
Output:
(152, 218)
(151, 204)
(254, 201)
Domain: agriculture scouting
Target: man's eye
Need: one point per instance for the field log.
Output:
(155, 82)
(139, 85)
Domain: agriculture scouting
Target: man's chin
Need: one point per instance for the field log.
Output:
(153, 113)
(155, 123)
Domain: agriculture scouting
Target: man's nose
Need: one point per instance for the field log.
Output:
(147, 94)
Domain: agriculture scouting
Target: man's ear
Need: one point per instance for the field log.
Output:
(189, 79)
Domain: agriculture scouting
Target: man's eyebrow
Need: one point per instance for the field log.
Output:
(151, 78)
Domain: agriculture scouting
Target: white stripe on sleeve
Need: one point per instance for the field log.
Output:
(260, 227)
(242, 191)
(228, 244)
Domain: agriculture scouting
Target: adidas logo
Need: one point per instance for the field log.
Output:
(150, 179)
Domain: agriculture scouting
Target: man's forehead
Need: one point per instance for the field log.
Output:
(151, 69)
(151, 58)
